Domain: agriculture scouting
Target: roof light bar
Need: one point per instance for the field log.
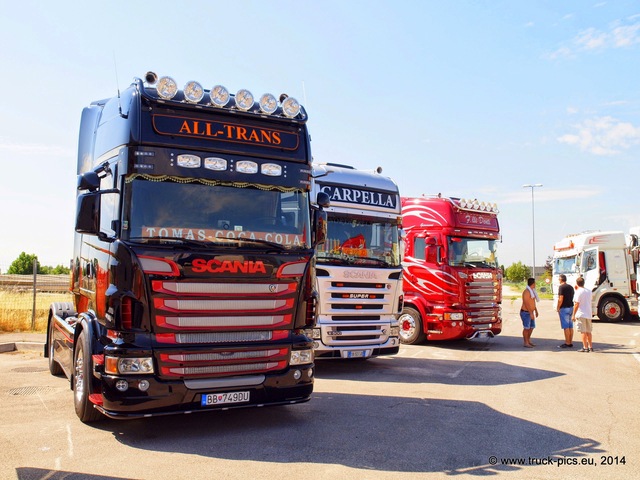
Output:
(478, 206)
(219, 96)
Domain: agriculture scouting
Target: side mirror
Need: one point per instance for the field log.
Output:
(88, 213)
(89, 181)
(323, 199)
(320, 227)
(431, 254)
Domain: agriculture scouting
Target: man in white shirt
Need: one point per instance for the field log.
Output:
(582, 314)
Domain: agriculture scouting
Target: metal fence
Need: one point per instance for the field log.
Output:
(25, 300)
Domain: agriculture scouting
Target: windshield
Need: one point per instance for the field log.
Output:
(222, 214)
(362, 241)
(472, 252)
(564, 265)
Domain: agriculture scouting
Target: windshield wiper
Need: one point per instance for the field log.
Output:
(380, 261)
(179, 240)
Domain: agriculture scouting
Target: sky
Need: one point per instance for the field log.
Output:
(469, 99)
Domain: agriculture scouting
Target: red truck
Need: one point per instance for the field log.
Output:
(451, 278)
(193, 267)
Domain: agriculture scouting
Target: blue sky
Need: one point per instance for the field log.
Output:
(465, 98)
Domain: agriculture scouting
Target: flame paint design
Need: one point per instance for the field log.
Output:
(429, 281)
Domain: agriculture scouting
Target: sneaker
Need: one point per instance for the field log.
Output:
(591, 349)
(564, 345)
(583, 349)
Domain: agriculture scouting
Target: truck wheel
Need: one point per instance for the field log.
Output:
(54, 366)
(611, 310)
(411, 326)
(82, 380)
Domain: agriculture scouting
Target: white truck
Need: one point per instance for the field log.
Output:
(606, 262)
(358, 269)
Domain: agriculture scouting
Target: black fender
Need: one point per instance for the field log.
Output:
(63, 310)
(88, 322)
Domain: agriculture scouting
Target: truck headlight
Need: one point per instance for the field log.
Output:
(128, 365)
(454, 316)
(300, 357)
(313, 333)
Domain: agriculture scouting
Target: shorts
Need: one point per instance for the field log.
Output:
(527, 321)
(584, 325)
(565, 317)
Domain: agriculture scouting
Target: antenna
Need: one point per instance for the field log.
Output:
(115, 67)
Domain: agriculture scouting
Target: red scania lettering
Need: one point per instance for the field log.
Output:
(200, 265)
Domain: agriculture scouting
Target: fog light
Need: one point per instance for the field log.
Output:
(297, 374)
(193, 92)
(316, 344)
(219, 96)
(290, 107)
(394, 331)
(310, 373)
(143, 385)
(244, 99)
(167, 88)
(122, 385)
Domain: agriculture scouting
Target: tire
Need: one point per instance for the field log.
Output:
(54, 367)
(411, 331)
(82, 380)
(611, 310)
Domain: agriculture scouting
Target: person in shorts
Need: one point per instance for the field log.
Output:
(529, 312)
(565, 311)
(582, 314)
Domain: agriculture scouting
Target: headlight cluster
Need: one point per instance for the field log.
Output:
(128, 365)
(220, 97)
(478, 206)
(301, 357)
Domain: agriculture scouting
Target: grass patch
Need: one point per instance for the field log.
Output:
(16, 310)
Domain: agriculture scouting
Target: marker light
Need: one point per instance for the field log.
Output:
(271, 169)
(193, 92)
(246, 166)
(244, 99)
(291, 107)
(219, 96)
(167, 88)
(268, 103)
(188, 161)
(213, 163)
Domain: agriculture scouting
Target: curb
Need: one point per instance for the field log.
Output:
(21, 346)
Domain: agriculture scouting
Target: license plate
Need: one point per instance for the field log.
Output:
(209, 399)
(356, 353)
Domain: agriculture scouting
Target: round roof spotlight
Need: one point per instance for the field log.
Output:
(290, 107)
(463, 203)
(219, 96)
(151, 78)
(244, 99)
(268, 103)
(193, 92)
(167, 88)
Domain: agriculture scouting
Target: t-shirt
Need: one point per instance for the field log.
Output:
(566, 291)
(583, 298)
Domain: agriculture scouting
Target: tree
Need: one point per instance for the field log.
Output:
(517, 272)
(23, 265)
(57, 270)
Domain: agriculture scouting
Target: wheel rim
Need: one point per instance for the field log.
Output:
(612, 310)
(79, 375)
(407, 326)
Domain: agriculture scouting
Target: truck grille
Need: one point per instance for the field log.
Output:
(216, 363)
(482, 297)
(209, 319)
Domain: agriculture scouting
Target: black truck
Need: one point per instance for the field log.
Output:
(193, 265)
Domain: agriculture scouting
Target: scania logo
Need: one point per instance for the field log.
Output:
(273, 288)
(483, 276)
(200, 265)
(359, 274)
